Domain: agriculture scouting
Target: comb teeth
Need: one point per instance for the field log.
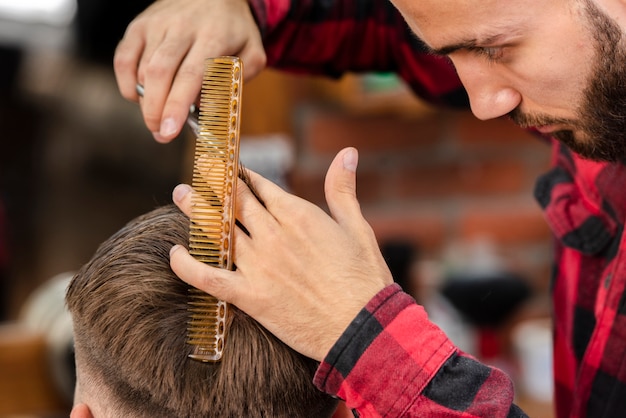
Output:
(216, 163)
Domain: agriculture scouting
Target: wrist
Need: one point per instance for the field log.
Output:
(358, 335)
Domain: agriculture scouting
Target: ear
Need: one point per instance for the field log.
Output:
(81, 411)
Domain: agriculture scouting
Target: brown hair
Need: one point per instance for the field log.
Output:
(130, 312)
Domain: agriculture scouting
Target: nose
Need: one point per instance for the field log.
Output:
(491, 96)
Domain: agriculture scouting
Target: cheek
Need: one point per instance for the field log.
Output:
(556, 82)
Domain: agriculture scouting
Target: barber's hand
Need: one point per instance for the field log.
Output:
(164, 49)
(303, 274)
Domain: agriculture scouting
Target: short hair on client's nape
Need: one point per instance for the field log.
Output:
(130, 312)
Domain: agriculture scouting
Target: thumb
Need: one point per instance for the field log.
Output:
(340, 186)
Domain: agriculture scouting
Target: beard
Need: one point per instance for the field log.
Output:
(599, 129)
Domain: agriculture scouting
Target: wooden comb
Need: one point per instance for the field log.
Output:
(212, 221)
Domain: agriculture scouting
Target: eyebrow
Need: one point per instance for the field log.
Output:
(449, 49)
(466, 45)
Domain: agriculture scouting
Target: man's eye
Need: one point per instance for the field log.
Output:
(492, 54)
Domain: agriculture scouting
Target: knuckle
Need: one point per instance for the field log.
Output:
(121, 59)
(257, 61)
(297, 217)
(156, 69)
(134, 28)
(153, 123)
(189, 72)
(128, 94)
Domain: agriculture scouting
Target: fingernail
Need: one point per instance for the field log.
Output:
(174, 249)
(168, 127)
(350, 159)
(180, 192)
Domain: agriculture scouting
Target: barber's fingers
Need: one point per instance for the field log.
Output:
(186, 82)
(340, 190)
(150, 56)
(300, 273)
(182, 197)
(164, 49)
(340, 187)
(277, 201)
(136, 48)
(253, 56)
(199, 274)
(177, 58)
(125, 63)
(248, 210)
(221, 283)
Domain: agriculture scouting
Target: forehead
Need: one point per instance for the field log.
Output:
(439, 22)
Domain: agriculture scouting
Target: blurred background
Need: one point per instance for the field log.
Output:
(449, 197)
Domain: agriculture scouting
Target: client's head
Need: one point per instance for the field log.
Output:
(130, 312)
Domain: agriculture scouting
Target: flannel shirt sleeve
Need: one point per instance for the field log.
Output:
(392, 361)
(332, 37)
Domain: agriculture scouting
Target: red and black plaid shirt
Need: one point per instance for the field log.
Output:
(392, 361)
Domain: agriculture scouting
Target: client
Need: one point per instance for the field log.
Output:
(129, 313)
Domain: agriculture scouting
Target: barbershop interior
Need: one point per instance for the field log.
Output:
(449, 197)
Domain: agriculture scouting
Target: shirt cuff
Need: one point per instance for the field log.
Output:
(390, 347)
